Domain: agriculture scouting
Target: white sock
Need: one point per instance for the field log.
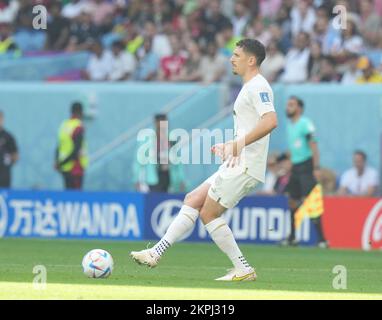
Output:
(183, 222)
(224, 239)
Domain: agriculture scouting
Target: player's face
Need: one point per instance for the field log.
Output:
(240, 61)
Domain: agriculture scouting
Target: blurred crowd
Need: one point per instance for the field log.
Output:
(192, 40)
(361, 180)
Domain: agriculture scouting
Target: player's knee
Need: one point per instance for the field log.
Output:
(194, 200)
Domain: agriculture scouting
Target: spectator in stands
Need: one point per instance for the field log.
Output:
(269, 8)
(226, 40)
(8, 154)
(148, 62)
(82, 32)
(303, 17)
(378, 7)
(171, 65)
(99, 64)
(327, 72)
(161, 12)
(328, 180)
(321, 32)
(284, 18)
(161, 45)
(73, 9)
(100, 10)
(277, 177)
(71, 157)
(191, 23)
(214, 21)
(213, 65)
(240, 18)
(122, 64)
(268, 188)
(202, 21)
(370, 23)
(284, 170)
(26, 37)
(273, 63)
(361, 180)
(7, 44)
(58, 30)
(314, 62)
(369, 74)
(283, 40)
(133, 40)
(349, 42)
(109, 30)
(256, 29)
(352, 73)
(8, 10)
(296, 62)
(191, 70)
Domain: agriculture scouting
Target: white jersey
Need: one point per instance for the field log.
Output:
(254, 100)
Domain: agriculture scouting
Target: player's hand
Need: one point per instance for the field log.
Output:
(233, 148)
(232, 162)
(218, 149)
(227, 150)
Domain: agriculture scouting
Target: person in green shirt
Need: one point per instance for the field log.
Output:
(304, 154)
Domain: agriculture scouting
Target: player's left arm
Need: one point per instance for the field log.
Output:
(263, 105)
(233, 148)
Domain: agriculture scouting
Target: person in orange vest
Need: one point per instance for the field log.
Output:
(71, 156)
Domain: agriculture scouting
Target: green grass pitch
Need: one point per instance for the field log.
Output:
(186, 272)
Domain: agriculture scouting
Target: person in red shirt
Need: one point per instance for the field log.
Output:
(170, 66)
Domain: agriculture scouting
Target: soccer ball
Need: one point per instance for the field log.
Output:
(97, 263)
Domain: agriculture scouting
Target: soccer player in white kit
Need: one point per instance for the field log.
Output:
(244, 164)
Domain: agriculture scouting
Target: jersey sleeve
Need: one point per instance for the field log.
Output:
(310, 130)
(262, 100)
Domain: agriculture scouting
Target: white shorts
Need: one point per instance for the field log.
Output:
(230, 185)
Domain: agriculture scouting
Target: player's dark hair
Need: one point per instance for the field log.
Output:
(299, 101)
(361, 153)
(76, 108)
(254, 47)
